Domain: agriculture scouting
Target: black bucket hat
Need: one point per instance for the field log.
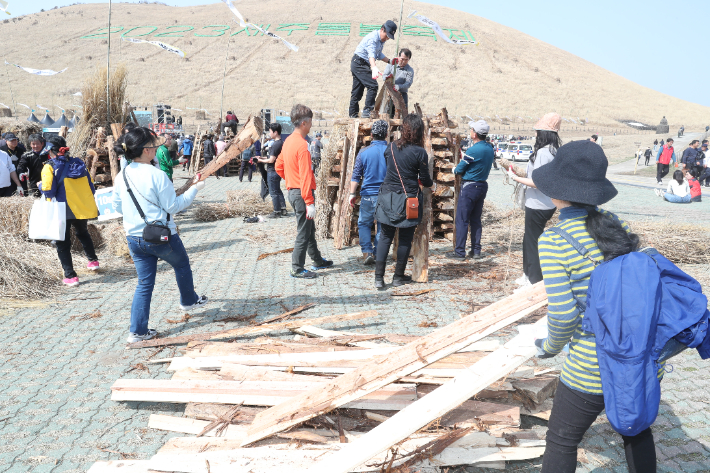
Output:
(577, 174)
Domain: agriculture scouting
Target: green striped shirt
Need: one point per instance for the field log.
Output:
(566, 274)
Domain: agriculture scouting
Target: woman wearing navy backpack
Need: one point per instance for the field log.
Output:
(576, 182)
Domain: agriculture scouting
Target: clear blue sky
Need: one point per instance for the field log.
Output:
(655, 43)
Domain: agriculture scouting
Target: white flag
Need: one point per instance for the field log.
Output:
(78, 94)
(41, 107)
(26, 106)
(437, 29)
(242, 21)
(37, 72)
(269, 33)
(3, 6)
(4, 105)
(160, 44)
(177, 110)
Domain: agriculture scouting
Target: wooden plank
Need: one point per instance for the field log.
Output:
(423, 233)
(251, 132)
(343, 222)
(112, 158)
(320, 332)
(202, 349)
(193, 426)
(341, 183)
(403, 362)
(120, 466)
(434, 405)
(250, 393)
(253, 330)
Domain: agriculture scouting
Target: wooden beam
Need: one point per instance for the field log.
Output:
(433, 405)
(388, 368)
(345, 213)
(251, 132)
(116, 129)
(253, 330)
(423, 233)
(341, 180)
(250, 393)
(112, 158)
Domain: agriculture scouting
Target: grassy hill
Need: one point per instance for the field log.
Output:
(508, 74)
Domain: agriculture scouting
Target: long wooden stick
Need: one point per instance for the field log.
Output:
(386, 369)
(239, 332)
(435, 404)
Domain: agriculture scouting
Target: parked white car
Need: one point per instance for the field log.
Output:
(519, 152)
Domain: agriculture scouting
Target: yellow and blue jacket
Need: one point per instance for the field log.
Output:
(77, 189)
(566, 274)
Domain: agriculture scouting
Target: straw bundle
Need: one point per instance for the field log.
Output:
(212, 212)
(680, 243)
(324, 204)
(15, 215)
(94, 106)
(114, 238)
(27, 270)
(21, 128)
(96, 237)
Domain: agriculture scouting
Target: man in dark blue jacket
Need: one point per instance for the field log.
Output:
(370, 167)
(473, 169)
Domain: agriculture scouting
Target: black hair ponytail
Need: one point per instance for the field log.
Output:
(132, 143)
(611, 238)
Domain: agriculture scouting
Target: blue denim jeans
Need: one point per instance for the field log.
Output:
(674, 199)
(277, 195)
(145, 257)
(368, 203)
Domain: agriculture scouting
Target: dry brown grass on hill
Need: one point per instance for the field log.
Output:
(509, 73)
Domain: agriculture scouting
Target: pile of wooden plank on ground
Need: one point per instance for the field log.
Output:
(100, 159)
(335, 402)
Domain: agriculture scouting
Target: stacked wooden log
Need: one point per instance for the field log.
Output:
(446, 151)
(335, 402)
(100, 159)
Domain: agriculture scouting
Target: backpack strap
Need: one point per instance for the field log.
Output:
(581, 249)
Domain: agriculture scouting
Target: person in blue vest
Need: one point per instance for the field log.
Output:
(474, 169)
(370, 168)
(186, 151)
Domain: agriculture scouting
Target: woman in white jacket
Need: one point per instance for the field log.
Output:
(678, 191)
(156, 196)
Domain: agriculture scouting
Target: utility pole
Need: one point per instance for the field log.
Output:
(224, 76)
(108, 71)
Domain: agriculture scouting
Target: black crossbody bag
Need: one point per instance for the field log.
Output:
(153, 232)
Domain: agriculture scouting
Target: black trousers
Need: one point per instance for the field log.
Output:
(468, 214)
(406, 236)
(250, 167)
(573, 412)
(306, 236)
(662, 171)
(6, 191)
(64, 247)
(535, 221)
(362, 78)
(277, 196)
(230, 124)
(705, 176)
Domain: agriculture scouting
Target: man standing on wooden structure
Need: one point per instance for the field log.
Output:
(474, 169)
(273, 179)
(231, 122)
(295, 166)
(371, 168)
(403, 74)
(365, 72)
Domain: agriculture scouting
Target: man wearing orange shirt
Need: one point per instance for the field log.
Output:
(294, 165)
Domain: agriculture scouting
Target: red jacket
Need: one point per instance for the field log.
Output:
(695, 190)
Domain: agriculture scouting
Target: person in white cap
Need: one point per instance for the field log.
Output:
(539, 208)
(474, 169)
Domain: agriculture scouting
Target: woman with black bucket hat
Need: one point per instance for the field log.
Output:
(576, 182)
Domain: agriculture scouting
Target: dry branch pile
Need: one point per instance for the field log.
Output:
(27, 270)
(240, 203)
(15, 215)
(21, 128)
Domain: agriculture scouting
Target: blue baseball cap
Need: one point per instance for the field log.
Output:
(390, 28)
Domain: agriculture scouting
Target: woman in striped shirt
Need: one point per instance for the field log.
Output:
(576, 182)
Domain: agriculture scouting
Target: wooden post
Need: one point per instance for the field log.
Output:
(116, 129)
(422, 235)
(345, 214)
(100, 136)
(112, 158)
(456, 149)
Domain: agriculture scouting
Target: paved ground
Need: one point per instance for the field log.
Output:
(57, 363)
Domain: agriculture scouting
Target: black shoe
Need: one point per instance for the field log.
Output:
(284, 213)
(323, 265)
(368, 259)
(380, 274)
(303, 274)
(274, 215)
(399, 279)
(365, 114)
(473, 255)
(454, 255)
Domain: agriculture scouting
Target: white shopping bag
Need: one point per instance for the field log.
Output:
(48, 220)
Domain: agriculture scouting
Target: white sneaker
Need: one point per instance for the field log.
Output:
(200, 302)
(134, 337)
(522, 280)
(658, 192)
